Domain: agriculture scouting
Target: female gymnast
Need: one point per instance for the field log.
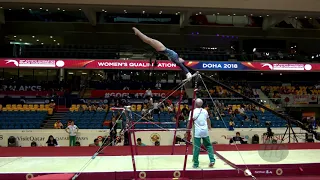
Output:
(160, 48)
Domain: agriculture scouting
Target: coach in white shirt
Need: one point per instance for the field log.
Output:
(72, 129)
(201, 126)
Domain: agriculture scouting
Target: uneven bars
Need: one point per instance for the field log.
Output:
(287, 118)
(126, 109)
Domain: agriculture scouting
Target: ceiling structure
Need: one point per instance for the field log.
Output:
(199, 5)
(158, 9)
(272, 16)
(273, 11)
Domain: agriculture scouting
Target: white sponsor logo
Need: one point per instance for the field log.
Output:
(288, 67)
(36, 63)
(219, 66)
(137, 95)
(137, 64)
(263, 172)
(43, 138)
(20, 88)
(60, 63)
(12, 61)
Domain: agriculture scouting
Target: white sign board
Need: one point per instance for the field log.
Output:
(87, 136)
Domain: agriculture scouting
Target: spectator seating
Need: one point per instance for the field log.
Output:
(31, 116)
(218, 91)
(262, 116)
(28, 107)
(22, 119)
(132, 85)
(164, 120)
(299, 90)
(27, 116)
(95, 120)
(86, 119)
(102, 119)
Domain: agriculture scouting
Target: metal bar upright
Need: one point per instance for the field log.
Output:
(132, 157)
(129, 119)
(134, 138)
(190, 127)
(177, 121)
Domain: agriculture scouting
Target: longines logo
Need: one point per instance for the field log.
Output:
(155, 137)
(273, 152)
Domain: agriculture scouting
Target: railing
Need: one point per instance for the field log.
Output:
(59, 101)
(114, 52)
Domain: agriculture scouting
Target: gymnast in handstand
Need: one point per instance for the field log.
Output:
(160, 48)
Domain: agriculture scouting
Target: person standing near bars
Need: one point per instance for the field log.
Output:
(201, 127)
(72, 130)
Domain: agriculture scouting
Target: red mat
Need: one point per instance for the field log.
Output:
(164, 179)
(276, 178)
(54, 177)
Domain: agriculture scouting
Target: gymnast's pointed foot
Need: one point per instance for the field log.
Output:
(189, 76)
(181, 60)
(136, 31)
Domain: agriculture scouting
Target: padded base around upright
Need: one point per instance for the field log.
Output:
(165, 179)
(54, 177)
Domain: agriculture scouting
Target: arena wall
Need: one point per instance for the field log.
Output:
(86, 136)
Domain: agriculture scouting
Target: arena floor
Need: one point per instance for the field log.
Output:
(156, 162)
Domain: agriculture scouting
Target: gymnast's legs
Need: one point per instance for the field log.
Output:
(160, 48)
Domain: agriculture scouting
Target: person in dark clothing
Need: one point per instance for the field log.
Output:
(126, 138)
(33, 144)
(113, 137)
(113, 124)
(254, 118)
(237, 138)
(95, 143)
(51, 141)
(185, 111)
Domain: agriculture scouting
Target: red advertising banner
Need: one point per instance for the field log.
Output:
(162, 65)
(86, 64)
(136, 93)
(265, 66)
